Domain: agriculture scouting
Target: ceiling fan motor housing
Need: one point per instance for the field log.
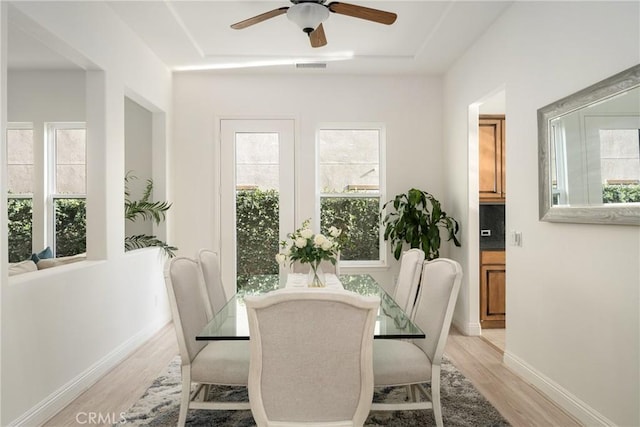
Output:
(308, 15)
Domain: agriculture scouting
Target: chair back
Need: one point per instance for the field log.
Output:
(311, 357)
(210, 266)
(408, 279)
(439, 288)
(188, 300)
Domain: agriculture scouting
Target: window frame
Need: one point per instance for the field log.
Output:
(23, 196)
(381, 262)
(50, 178)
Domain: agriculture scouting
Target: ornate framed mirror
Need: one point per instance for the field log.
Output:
(589, 154)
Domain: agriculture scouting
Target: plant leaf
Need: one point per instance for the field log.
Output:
(140, 241)
(398, 251)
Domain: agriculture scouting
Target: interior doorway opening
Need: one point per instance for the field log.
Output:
(490, 216)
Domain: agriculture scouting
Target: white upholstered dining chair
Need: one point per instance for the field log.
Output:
(210, 266)
(405, 363)
(408, 279)
(215, 362)
(311, 357)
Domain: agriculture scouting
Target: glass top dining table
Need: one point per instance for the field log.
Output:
(231, 322)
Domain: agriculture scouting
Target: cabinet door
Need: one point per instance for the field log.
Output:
(490, 159)
(503, 154)
(492, 296)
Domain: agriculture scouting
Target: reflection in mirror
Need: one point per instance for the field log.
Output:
(589, 147)
(595, 153)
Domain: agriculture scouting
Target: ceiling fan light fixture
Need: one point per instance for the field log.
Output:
(308, 15)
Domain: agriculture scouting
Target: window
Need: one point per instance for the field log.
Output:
(350, 186)
(61, 223)
(558, 165)
(66, 196)
(620, 165)
(20, 182)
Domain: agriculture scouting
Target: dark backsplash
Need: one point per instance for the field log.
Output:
(492, 219)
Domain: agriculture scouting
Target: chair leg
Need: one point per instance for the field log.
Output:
(410, 393)
(185, 397)
(435, 397)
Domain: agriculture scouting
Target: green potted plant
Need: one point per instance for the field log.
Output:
(415, 218)
(147, 210)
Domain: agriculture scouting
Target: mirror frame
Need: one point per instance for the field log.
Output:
(598, 214)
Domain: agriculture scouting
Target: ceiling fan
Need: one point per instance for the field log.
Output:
(310, 14)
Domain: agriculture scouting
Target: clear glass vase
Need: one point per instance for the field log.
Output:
(316, 276)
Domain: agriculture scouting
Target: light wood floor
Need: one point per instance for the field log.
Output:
(120, 388)
(517, 401)
(520, 403)
(496, 337)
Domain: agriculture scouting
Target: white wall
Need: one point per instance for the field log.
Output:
(138, 138)
(572, 290)
(62, 328)
(409, 106)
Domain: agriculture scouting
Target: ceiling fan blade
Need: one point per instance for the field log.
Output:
(259, 18)
(317, 37)
(362, 12)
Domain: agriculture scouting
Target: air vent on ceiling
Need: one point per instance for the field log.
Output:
(311, 65)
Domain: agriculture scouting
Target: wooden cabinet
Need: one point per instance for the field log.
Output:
(492, 289)
(491, 154)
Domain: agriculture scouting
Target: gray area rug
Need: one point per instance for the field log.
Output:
(462, 405)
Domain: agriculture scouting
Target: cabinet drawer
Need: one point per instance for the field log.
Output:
(492, 257)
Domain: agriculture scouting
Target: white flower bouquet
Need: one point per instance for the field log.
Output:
(305, 246)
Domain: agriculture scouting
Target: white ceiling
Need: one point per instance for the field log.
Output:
(427, 37)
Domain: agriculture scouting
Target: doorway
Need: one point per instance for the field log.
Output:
(257, 188)
(492, 196)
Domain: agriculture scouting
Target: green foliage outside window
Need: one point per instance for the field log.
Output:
(359, 218)
(621, 193)
(257, 229)
(20, 229)
(257, 238)
(71, 227)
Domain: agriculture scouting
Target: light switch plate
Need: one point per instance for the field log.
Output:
(515, 238)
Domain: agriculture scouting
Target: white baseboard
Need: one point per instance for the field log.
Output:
(471, 329)
(66, 394)
(557, 394)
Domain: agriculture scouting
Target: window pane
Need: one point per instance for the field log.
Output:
(70, 161)
(349, 163)
(71, 226)
(257, 160)
(20, 161)
(360, 217)
(257, 204)
(20, 213)
(349, 160)
(620, 165)
(620, 155)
